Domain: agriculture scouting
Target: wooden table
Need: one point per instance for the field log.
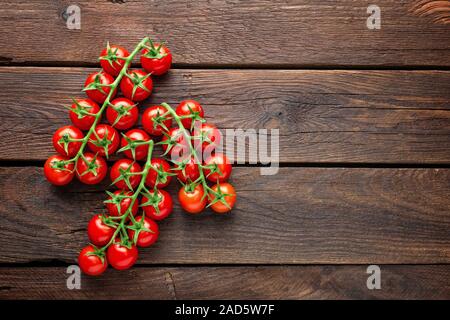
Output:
(364, 119)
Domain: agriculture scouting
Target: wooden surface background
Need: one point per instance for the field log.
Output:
(364, 119)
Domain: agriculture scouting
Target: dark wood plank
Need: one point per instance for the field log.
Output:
(223, 32)
(300, 216)
(277, 282)
(323, 116)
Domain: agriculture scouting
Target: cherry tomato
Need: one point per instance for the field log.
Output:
(222, 168)
(57, 172)
(145, 238)
(91, 168)
(159, 171)
(126, 166)
(62, 140)
(209, 134)
(122, 114)
(137, 85)
(98, 232)
(164, 202)
(191, 171)
(90, 263)
(179, 147)
(82, 113)
(104, 140)
(186, 108)
(125, 203)
(137, 135)
(97, 86)
(112, 59)
(122, 257)
(228, 194)
(156, 61)
(191, 201)
(150, 119)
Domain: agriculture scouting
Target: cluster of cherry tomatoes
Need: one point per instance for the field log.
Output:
(139, 199)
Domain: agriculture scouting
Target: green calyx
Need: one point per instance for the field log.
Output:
(91, 166)
(80, 110)
(154, 52)
(64, 141)
(97, 253)
(60, 165)
(132, 145)
(138, 227)
(219, 196)
(103, 142)
(116, 199)
(111, 56)
(122, 111)
(125, 175)
(153, 199)
(96, 85)
(138, 82)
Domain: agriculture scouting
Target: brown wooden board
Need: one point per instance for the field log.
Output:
(245, 282)
(237, 33)
(323, 116)
(300, 216)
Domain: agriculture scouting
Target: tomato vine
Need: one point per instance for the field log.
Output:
(115, 236)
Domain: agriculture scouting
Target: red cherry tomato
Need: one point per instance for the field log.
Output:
(221, 168)
(159, 172)
(97, 86)
(122, 114)
(179, 146)
(125, 165)
(57, 172)
(192, 201)
(112, 59)
(90, 263)
(62, 140)
(229, 196)
(122, 257)
(112, 205)
(137, 85)
(209, 134)
(150, 119)
(186, 108)
(164, 202)
(82, 113)
(190, 171)
(91, 169)
(98, 232)
(104, 137)
(157, 60)
(140, 151)
(145, 238)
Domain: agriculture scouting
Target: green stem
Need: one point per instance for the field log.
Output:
(191, 147)
(137, 192)
(113, 88)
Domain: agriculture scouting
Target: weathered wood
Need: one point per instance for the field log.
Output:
(300, 216)
(277, 282)
(323, 116)
(223, 32)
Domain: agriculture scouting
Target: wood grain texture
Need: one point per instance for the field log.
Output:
(300, 216)
(437, 11)
(224, 32)
(323, 116)
(263, 282)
